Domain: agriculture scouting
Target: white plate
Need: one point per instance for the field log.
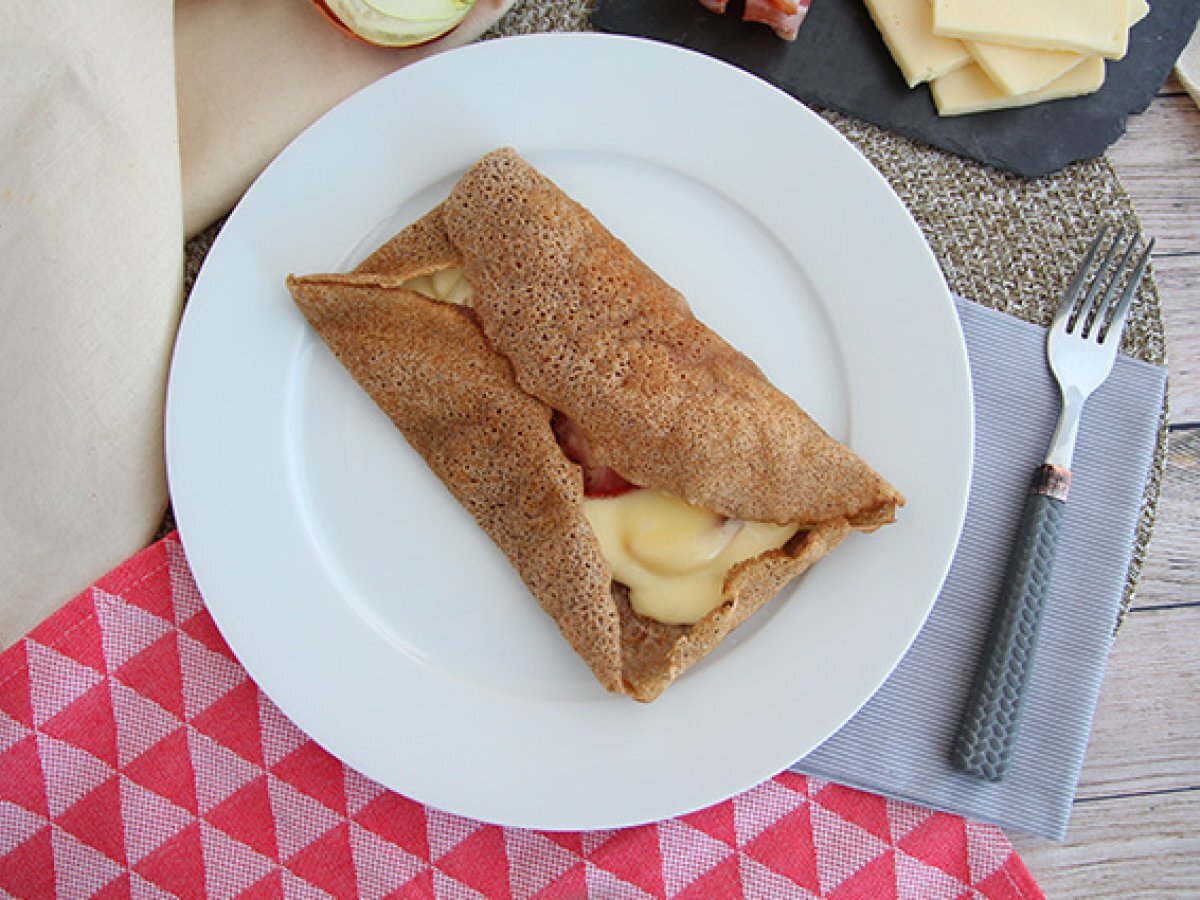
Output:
(361, 597)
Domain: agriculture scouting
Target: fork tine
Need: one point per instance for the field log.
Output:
(1072, 293)
(1116, 324)
(1100, 316)
(1083, 315)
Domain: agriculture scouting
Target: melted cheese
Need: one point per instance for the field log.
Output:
(674, 557)
(447, 285)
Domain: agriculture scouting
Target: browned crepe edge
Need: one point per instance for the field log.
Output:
(428, 367)
(419, 249)
(648, 384)
(425, 247)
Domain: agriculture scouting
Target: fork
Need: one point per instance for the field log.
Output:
(1081, 347)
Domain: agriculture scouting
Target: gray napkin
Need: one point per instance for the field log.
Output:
(899, 743)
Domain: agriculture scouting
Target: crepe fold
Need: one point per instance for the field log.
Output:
(565, 318)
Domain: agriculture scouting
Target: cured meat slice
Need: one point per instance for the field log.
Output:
(783, 16)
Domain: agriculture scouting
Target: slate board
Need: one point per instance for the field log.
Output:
(839, 62)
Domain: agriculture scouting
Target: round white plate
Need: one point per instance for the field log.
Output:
(367, 604)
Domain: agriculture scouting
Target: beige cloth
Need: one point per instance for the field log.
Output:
(93, 205)
(253, 73)
(90, 268)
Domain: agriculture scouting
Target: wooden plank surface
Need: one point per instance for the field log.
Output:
(1141, 846)
(1158, 161)
(1171, 574)
(1135, 827)
(1145, 738)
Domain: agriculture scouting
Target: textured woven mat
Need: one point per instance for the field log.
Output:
(1004, 241)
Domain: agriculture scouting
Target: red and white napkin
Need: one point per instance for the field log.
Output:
(138, 759)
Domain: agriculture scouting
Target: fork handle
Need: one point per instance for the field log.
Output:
(988, 731)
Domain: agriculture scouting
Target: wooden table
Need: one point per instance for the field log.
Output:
(1135, 827)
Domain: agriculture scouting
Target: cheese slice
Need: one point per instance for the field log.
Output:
(1019, 70)
(907, 29)
(969, 90)
(1099, 27)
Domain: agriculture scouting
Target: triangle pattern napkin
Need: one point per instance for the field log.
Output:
(137, 758)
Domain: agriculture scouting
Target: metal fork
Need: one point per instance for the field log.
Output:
(1081, 348)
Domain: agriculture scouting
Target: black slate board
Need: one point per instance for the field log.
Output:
(839, 62)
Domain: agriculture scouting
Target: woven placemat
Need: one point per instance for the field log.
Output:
(1004, 241)
(1012, 243)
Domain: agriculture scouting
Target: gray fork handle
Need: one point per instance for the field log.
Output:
(989, 728)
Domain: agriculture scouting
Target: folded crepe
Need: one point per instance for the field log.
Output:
(543, 371)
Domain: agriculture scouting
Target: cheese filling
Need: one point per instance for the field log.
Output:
(448, 285)
(674, 557)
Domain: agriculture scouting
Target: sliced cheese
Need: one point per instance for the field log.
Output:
(1019, 70)
(907, 29)
(1099, 27)
(1138, 10)
(969, 90)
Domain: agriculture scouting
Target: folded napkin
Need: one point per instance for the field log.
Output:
(136, 756)
(899, 742)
